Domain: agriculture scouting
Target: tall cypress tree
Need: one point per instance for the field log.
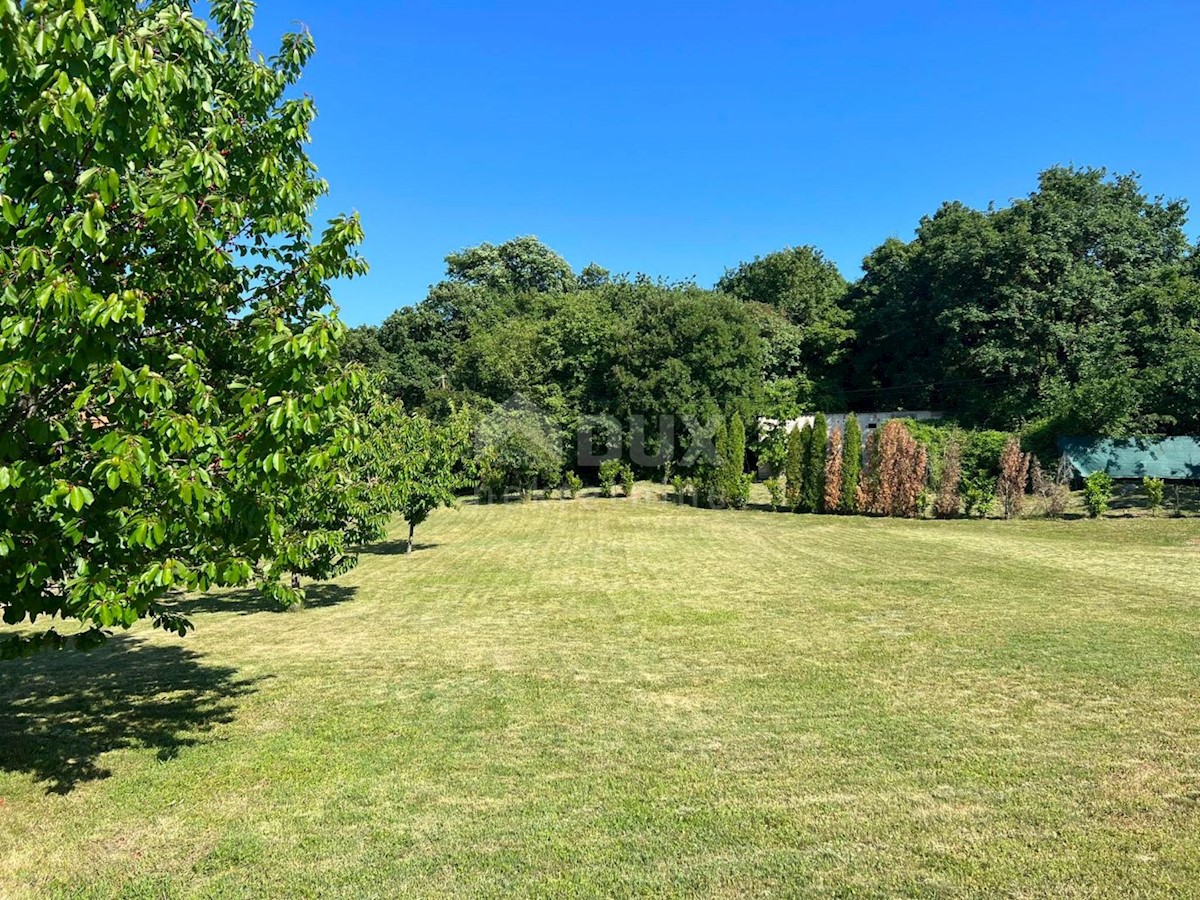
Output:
(738, 487)
(794, 471)
(806, 449)
(715, 479)
(851, 464)
(814, 469)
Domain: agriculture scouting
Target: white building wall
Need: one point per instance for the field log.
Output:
(868, 422)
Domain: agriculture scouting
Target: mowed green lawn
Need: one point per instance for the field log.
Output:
(618, 697)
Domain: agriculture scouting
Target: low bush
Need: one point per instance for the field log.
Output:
(684, 489)
(978, 495)
(1097, 492)
(679, 488)
(515, 451)
(1155, 489)
(573, 484)
(775, 489)
(610, 471)
(627, 480)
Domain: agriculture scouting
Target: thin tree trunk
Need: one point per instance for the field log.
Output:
(411, 529)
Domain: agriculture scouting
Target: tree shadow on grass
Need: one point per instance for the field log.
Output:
(249, 601)
(59, 712)
(394, 548)
(1133, 497)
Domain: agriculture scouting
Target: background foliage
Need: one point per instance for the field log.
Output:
(1073, 310)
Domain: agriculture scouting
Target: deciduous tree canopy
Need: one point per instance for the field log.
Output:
(1075, 304)
(167, 377)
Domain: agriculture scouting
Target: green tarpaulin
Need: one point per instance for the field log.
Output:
(1172, 457)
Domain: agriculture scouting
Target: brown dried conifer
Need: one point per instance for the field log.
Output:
(895, 475)
(948, 501)
(833, 473)
(1014, 472)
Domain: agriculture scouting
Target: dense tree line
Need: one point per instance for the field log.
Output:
(1073, 310)
(1076, 308)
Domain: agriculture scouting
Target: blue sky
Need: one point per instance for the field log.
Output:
(679, 138)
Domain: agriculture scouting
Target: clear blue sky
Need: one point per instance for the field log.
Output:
(679, 138)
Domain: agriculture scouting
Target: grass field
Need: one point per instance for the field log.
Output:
(616, 697)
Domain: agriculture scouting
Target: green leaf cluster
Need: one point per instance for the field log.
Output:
(168, 344)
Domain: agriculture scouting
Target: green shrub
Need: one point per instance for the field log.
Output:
(677, 486)
(573, 484)
(627, 480)
(610, 471)
(517, 453)
(775, 489)
(925, 501)
(741, 494)
(683, 488)
(978, 494)
(981, 453)
(771, 447)
(935, 436)
(1097, 491)
(1155, 489)
(1040, 437)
